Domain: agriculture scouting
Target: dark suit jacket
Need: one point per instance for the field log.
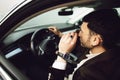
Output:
(105, 66)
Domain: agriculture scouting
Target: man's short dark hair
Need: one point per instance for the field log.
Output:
(105, 22)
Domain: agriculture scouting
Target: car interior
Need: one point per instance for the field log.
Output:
(28, 47)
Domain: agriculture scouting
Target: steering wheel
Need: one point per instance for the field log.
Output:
(44, 42)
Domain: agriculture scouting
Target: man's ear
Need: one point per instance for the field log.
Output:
(96, 40)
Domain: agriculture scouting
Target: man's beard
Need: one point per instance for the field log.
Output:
(85, 44)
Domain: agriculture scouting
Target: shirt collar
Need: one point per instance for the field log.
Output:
(91, 55)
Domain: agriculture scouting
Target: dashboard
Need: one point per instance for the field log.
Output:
(19, 41)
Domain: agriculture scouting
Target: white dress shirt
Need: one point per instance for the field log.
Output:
(62, 65)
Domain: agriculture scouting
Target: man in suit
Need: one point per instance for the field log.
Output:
(99, 34)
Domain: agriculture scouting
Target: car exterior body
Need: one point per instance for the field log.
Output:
(19, 19)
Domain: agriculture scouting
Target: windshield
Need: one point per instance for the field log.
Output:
(52, 17)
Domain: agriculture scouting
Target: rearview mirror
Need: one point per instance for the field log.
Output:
(65, 12)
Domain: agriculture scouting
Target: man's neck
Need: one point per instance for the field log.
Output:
(97, 49)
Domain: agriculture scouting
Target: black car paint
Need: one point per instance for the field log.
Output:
(33, 69)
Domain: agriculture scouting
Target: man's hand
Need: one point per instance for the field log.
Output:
(67, 42)
(55, 30)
